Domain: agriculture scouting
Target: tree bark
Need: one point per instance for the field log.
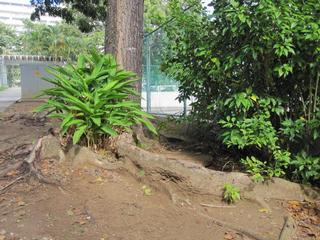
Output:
(124, 34)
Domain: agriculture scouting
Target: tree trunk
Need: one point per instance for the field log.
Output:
(124, 34)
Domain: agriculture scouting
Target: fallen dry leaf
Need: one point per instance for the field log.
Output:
(264, 210)
(99, 180)
(12, 173)
(294, 205)
(21, 203)
(146, 190)
(229, 236)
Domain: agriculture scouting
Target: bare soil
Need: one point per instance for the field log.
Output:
(95, 203)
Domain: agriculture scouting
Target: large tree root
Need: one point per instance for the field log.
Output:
(28, 167)
(194, 178)
(289, 229)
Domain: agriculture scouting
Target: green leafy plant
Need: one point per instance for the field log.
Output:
(248, 125)
(259, 169)
(271, 46)
(92, 99)
(247, 120)
(293, 130)
(255, 167)
(307, 168)
(231, 193)
(302, 132)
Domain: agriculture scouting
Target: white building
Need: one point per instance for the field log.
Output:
(13, 12)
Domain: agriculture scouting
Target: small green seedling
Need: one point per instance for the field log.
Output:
(141, 173)
(231, 193)
(257, 178)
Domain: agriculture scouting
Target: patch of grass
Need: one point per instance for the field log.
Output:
(141, 173)
(2, 88)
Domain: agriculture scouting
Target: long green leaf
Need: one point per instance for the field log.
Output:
(109, 130)
(78, 134)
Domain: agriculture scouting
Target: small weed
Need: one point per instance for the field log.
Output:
(146, 190)
(257, 178)
(231, 193)
(141, 173)
(143, 145)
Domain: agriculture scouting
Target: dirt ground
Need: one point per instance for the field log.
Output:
(113, 205)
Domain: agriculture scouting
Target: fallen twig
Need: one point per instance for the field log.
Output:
(11, 183)
(216, 206)
(12, 210)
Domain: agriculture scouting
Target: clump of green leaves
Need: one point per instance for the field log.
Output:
(92, 99)
(247, 120)
(272, 46)
(306, 167)
(247, 125)
(231, 193)
(255, 167)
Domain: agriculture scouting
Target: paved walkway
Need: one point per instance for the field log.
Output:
(9, 96)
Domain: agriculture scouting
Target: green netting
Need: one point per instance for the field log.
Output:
(159, 91)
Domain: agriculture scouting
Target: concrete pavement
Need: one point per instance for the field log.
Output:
(9, 96)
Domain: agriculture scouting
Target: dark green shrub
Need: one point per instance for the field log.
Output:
(248, 125)
(306, 167)
(270, 46)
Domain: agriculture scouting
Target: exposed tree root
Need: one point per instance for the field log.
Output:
(232, 227)
(195, 179)
(289, 229)
(28, 167)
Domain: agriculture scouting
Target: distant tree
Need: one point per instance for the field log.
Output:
(124, 24)
(61, 40)
(87, 14)
(8, 39)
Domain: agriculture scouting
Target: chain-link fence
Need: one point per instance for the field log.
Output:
(159, 91)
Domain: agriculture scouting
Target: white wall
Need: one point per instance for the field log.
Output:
(31, 82)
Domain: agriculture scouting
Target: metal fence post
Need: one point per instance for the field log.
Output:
(185, 107)
(148, 75)
(3, 73)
